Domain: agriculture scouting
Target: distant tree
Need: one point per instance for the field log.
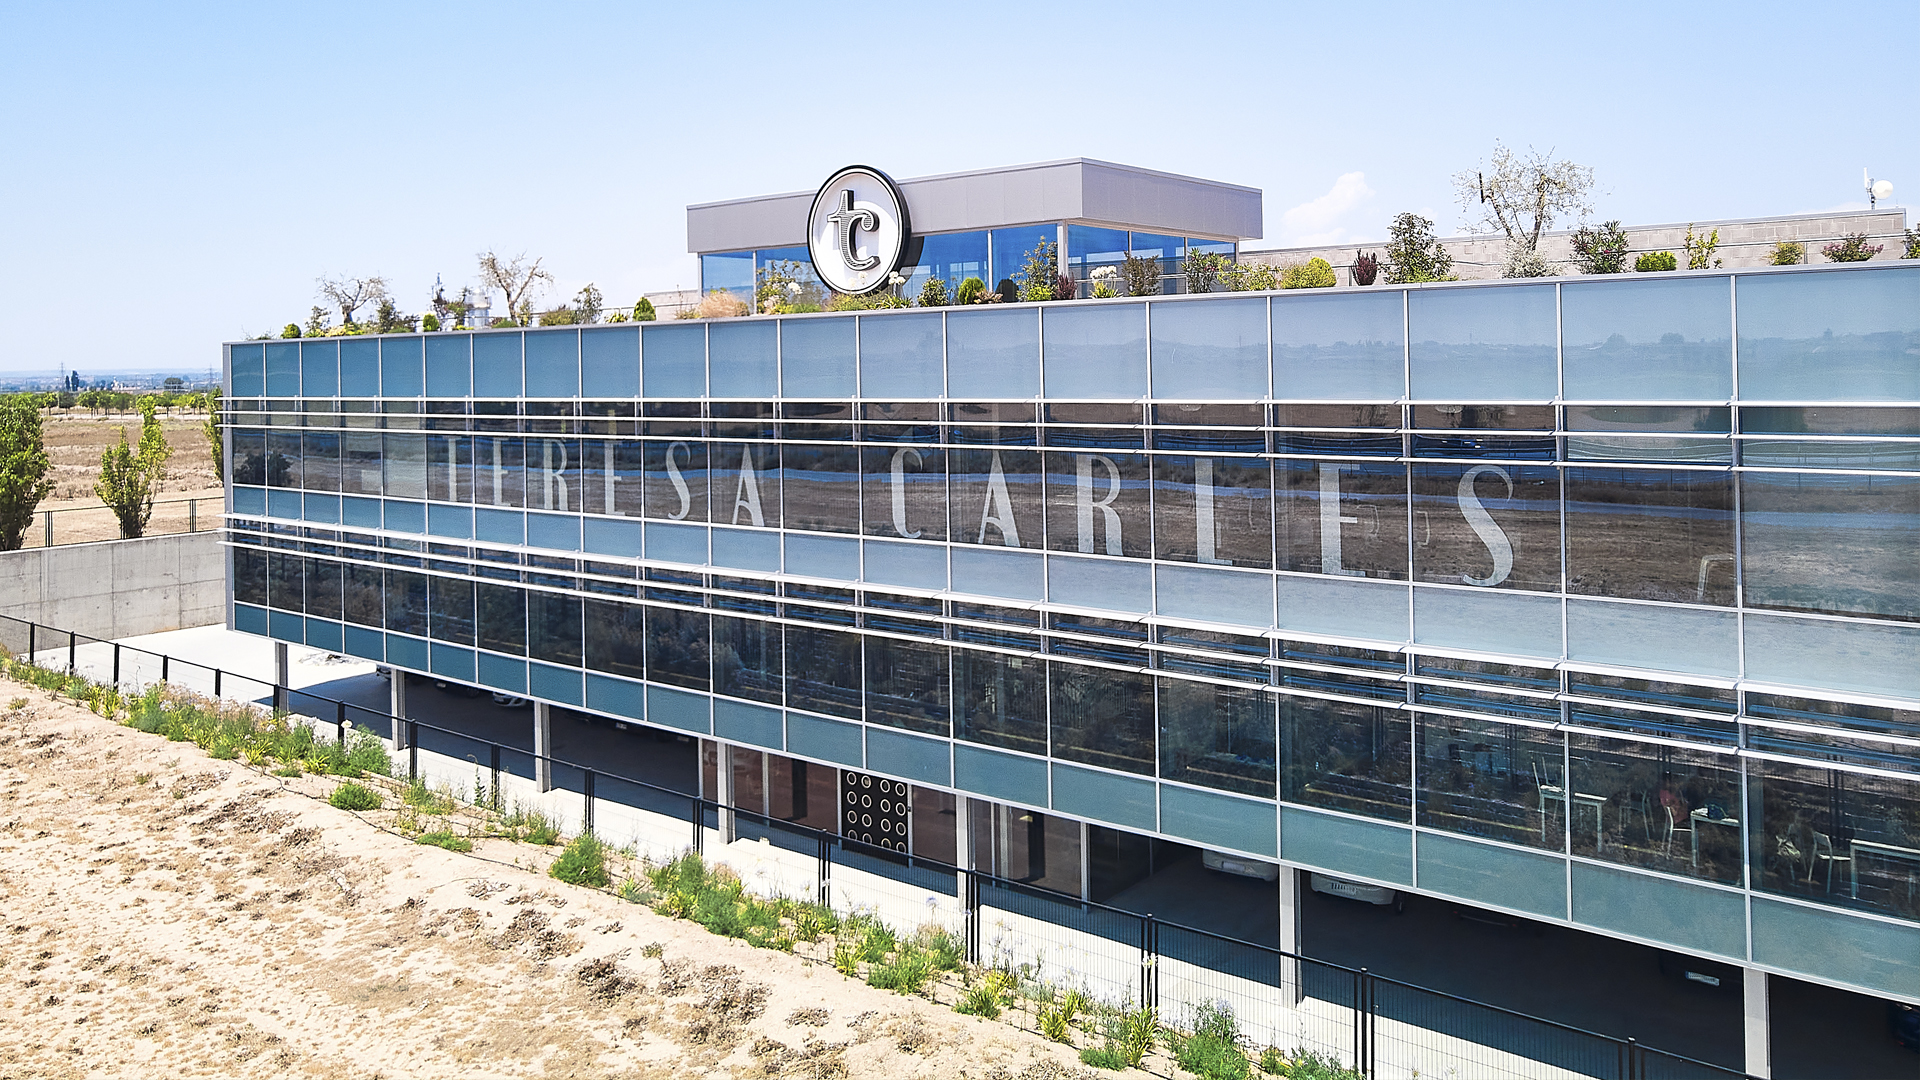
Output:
(129, 476)
(1522, 195)
(1315, 273)
(291, 330)
(1414, 254)
(587, 304)
(350, 294)
(23, 467)
(520, 280)
(317, 321)
(174, 383)
(643, 311)
(212, 428)
(388, 320)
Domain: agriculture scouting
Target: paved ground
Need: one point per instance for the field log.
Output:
(1576, 978)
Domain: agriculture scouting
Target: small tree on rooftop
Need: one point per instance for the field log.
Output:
(23, 467)
(1600, 249)
(1414, 254)
(1852, 248)
(1141, 273)
(1520, 196)
(519, 279)
(130, 476)
(350, 294)
(1039, 273)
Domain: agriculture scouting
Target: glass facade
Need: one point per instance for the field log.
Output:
(1402, 560)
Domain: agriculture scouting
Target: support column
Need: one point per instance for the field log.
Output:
(280, 676)
(1086, 863)
(1759, 1042)
(723, 775)
(398, 685)
(543, 746)
(1289, 883)
(963, 832)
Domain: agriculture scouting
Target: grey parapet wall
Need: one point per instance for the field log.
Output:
(118, 588)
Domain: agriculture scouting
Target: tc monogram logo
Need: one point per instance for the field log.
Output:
(847, 219)
(857, 231)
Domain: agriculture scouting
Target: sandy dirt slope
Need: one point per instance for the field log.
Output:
(166, 914)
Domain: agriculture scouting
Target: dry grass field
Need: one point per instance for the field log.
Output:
(75, 440)
(163, 913)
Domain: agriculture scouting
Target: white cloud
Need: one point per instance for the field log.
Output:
(1319, 221)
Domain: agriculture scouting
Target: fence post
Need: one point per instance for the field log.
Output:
(973, 915)
(494, 766)
(1363, 1024)
(116, 665)
(193, 522)
(1634, 1071)
(340, 721)
(589, 786)
(73, 653)
(413, 750)
(33, 644)
(216, 685)
(49, 516)
(825, 872)
(698, 845)
(164, 665)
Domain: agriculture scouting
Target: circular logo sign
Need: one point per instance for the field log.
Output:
(857, 230)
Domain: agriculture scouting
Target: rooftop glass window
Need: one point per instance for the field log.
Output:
(1339, 347)
(1659, 340)
(1487, 344)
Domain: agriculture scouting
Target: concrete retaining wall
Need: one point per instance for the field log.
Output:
(118, 588)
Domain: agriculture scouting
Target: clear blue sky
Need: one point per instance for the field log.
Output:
(177, 175)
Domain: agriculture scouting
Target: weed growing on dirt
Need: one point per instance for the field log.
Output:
(1212, 1050)
(352, 796)
(419, 796)
(530, 826)
(1305, 1065)
(990, 994)
(445, 839)
(686, 888)
(1130, 1037)
(584, 862)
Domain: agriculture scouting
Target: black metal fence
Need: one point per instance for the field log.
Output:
(1381, 1027)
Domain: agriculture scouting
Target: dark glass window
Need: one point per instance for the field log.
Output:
(1099, 503)
(907, 685)
(1345, 518)
(283, 458)
(997, 498)
(676, 479)
(616, 638)
(1102, 717)
(1345, 756)
(1098, 639)
(554, 474)
(1497, 526)
(1217, 736)
(284, 588)
(1673, 695)
(1662, 807)
(407, 602)
(502, 613)
(320, 461)
(1215, 510)
(450, 609)
(450, 468)
(405, 461)
(747, 655)
(996, 617)
(614, 471)
(1001, 700)
(499, 471)
(1834, 837)
(677, 647)
(249, 456)
(904, 491)
(1501, 781)
(250, 576)
(746, 485)
(823, 671)
(820, 485)
(1651, 534)
(364, 594)
(323, 588)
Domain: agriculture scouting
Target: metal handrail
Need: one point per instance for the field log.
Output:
(193, 519)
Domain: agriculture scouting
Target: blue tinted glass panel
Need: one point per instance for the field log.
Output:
(447, 365)
(1345, 348)
(1167, 250)
(816, 357)
(553, 363)
(900, 356)
(732, 271)
(993, 354)
(319, 368)
(951, 257)
(1657, 340)
(610, 362)
(1090, 248)
(673, 361)
(283, 369)
(1098, 351)
(745, 359)
(1496, 344)
(359, 369)
(401, 373)
(1010, 248)
(496, 365)
(1216, 349)
(249, 378)
(1842, 335)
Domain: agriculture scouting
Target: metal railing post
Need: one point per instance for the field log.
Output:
(73, 653)
(116, 665)
(165, 663)
(1365, 1022)
(49, 523)
(589, 792)
(698, 845)
(33, 643)
(494, 767)
(413, 751)
(973, 914)
(193, 515)
(824, 872)
(216, 684)
(340, 721)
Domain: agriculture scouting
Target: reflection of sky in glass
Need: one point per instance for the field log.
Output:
(812, 289)
(732, 271)
(1010, 247)
(952, 257)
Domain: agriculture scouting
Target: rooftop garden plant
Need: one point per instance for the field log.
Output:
(1315, 273)
(1787, 253)
(1653, 262)
(1600, 249)
(1851, 248)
